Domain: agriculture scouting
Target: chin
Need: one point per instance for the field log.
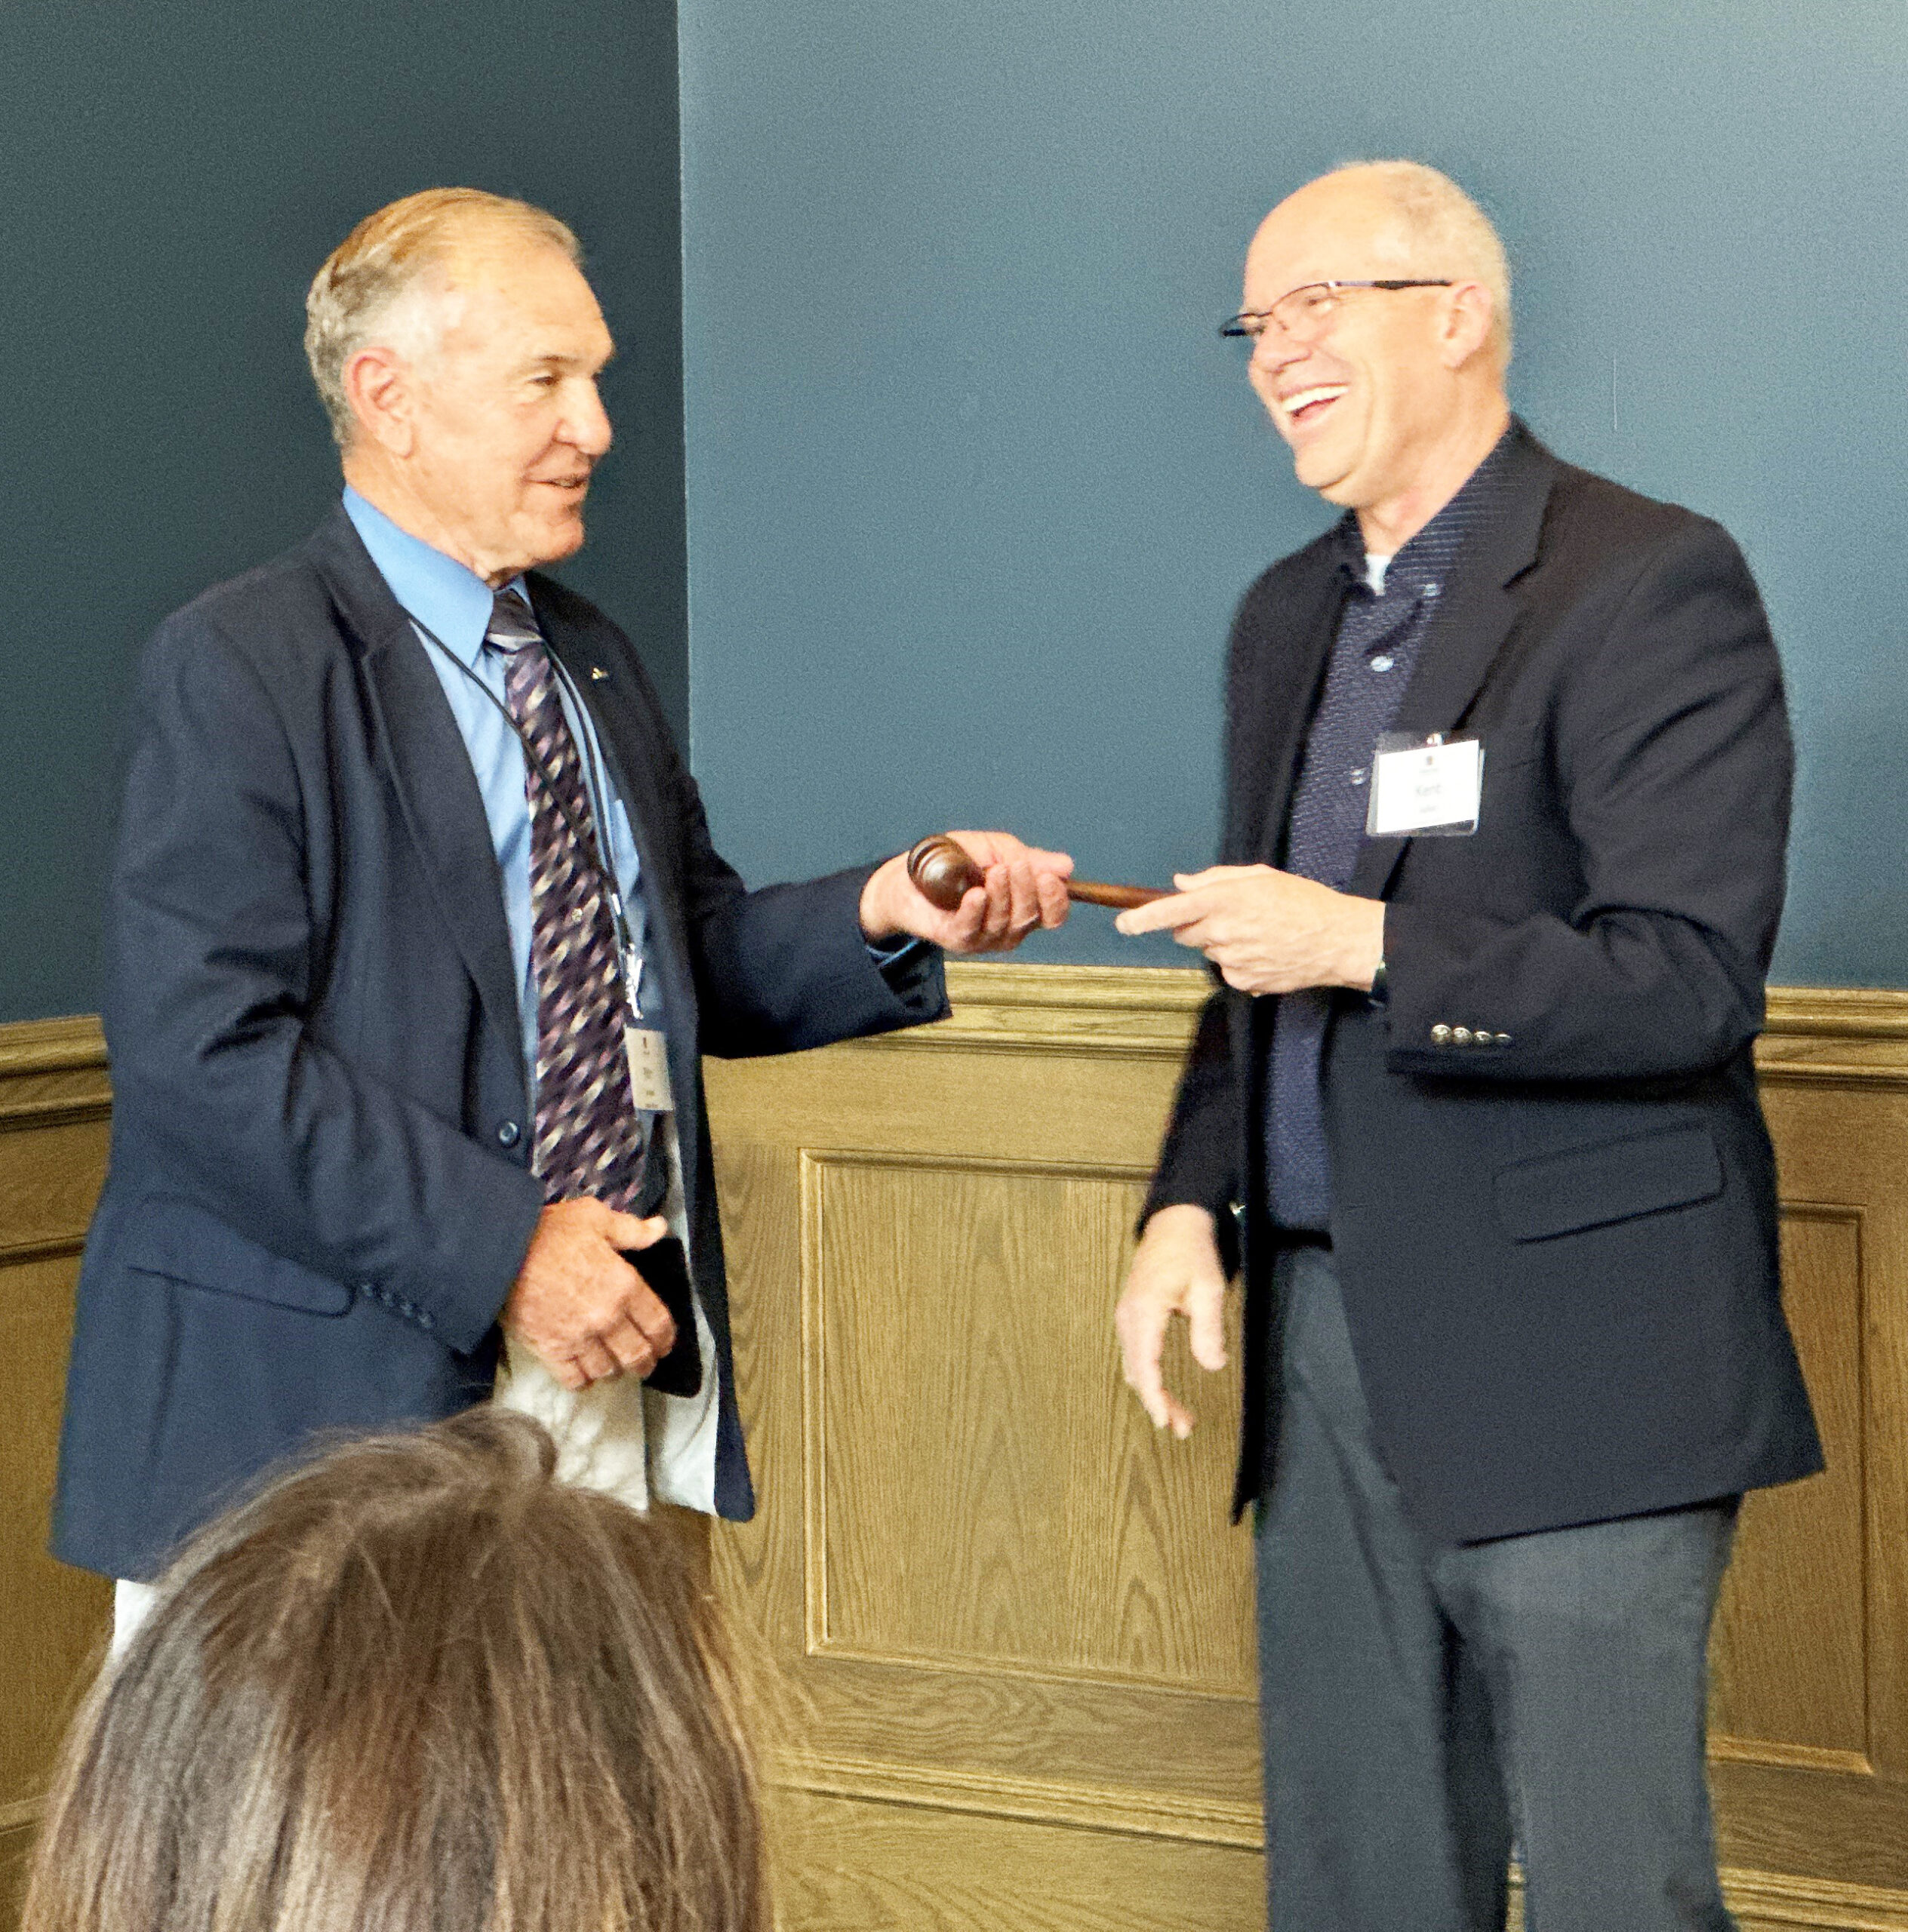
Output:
(1317, 472)
(563, 541)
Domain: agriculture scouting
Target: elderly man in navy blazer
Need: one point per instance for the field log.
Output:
(417, 940)
(1475, 1114)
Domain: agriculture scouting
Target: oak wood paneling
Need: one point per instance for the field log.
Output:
(1009, 1624)
(1015, 1622)
(54, 1105)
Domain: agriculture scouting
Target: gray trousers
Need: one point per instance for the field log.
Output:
(1424, 1705)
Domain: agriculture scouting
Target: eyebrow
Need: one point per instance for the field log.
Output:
(551, 359)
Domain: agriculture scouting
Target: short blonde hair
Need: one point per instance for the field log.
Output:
(416, 1684)
(1446, 231)
(384, 258)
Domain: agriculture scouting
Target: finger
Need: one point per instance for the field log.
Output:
(1176, 908)
(992, 848)
(1055, 904)
(645, 1311)
(594, 1361)
(1141, 1324)
(1205, 1322)
(634, 1352)
(999, 919)
(966, 922)
(631, 1231)
(1024, 900)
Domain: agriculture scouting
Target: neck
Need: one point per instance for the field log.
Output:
(390, 492)
(1447, 466)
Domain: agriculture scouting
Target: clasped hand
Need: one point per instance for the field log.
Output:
(1268, 931)
(1024, 888)
(579, 1305)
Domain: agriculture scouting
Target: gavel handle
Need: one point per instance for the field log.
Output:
(1092, 892)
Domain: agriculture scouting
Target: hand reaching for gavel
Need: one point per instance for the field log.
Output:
(944, 873)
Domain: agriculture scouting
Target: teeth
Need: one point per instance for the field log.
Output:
(1301, 399)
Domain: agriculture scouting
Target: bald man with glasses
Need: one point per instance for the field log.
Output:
(1472, 1111)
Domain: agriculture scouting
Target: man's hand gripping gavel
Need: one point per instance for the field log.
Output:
(945, 873)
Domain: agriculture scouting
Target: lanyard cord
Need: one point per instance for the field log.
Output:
(593, 849)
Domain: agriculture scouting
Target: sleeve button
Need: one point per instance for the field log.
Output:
(1460, 1036)
(1441, 1035)
(508, 1134)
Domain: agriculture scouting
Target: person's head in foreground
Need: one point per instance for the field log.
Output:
(417, 1685)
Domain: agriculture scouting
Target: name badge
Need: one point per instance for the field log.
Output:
(1426, 788)
(649, 1070)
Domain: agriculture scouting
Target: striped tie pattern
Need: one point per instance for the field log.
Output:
(590, 1138)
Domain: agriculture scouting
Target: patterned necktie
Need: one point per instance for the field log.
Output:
(590, 1139)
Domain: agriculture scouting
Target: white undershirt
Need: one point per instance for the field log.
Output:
(1375, 568)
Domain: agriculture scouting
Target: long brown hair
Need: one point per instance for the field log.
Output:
(417, 1685)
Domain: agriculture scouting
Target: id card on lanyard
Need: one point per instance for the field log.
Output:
(644, 1047)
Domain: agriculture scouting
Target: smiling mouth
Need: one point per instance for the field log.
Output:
(1303, 408)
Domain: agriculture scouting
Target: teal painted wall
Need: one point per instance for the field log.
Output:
(174, 175)
(973, 488)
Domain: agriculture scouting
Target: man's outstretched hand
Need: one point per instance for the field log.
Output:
(1176, 1271)
(1268, 931)
(579, 1304)
(1024, 888)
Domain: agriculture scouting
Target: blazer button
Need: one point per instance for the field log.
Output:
(1460, 1036)
(1503, 1039)
(508, 1134)
(1441, 1035)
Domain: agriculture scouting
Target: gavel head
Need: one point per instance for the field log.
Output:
(943, 871)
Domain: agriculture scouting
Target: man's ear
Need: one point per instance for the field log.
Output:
(1468, 315)
(378, 386)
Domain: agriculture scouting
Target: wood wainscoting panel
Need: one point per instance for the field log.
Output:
(1011, 1623)
(54, 1103)
(1025, 1518)
(1007, 1625)
(1789, 1684)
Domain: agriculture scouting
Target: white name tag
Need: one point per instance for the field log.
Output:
(649, 1070)
(1425, 787)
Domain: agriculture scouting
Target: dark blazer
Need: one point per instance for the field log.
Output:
(1554, 1212)
(319, 1191)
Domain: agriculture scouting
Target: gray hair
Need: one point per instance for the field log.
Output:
(1444, 231)
(383, 259)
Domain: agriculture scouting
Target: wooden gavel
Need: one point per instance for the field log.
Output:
(945, 873)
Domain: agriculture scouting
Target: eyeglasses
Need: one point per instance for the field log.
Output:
(1304, 314)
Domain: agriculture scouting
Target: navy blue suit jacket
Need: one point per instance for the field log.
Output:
(319, 1193)
(1554, 1204)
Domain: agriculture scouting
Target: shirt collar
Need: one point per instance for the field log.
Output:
(450, 600)
(1424, 560)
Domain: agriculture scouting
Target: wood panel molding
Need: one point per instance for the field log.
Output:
(842, 1172)
(55, 1101)
(978, 1174)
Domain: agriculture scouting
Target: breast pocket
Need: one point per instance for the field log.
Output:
(1565, 1193)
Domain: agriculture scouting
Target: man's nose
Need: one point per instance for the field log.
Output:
(1272, 348)
(587, 423)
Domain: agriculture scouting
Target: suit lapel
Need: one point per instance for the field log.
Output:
(424, 757)
(1474, 618)
(1285, 659)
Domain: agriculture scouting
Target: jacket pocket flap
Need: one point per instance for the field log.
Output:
(1590, 1187)
(185, 1243)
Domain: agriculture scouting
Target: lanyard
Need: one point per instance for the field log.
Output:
(596, 787)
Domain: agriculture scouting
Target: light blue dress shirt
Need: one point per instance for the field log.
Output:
(455, 603)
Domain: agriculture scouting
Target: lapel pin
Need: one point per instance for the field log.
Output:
(597, 672)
